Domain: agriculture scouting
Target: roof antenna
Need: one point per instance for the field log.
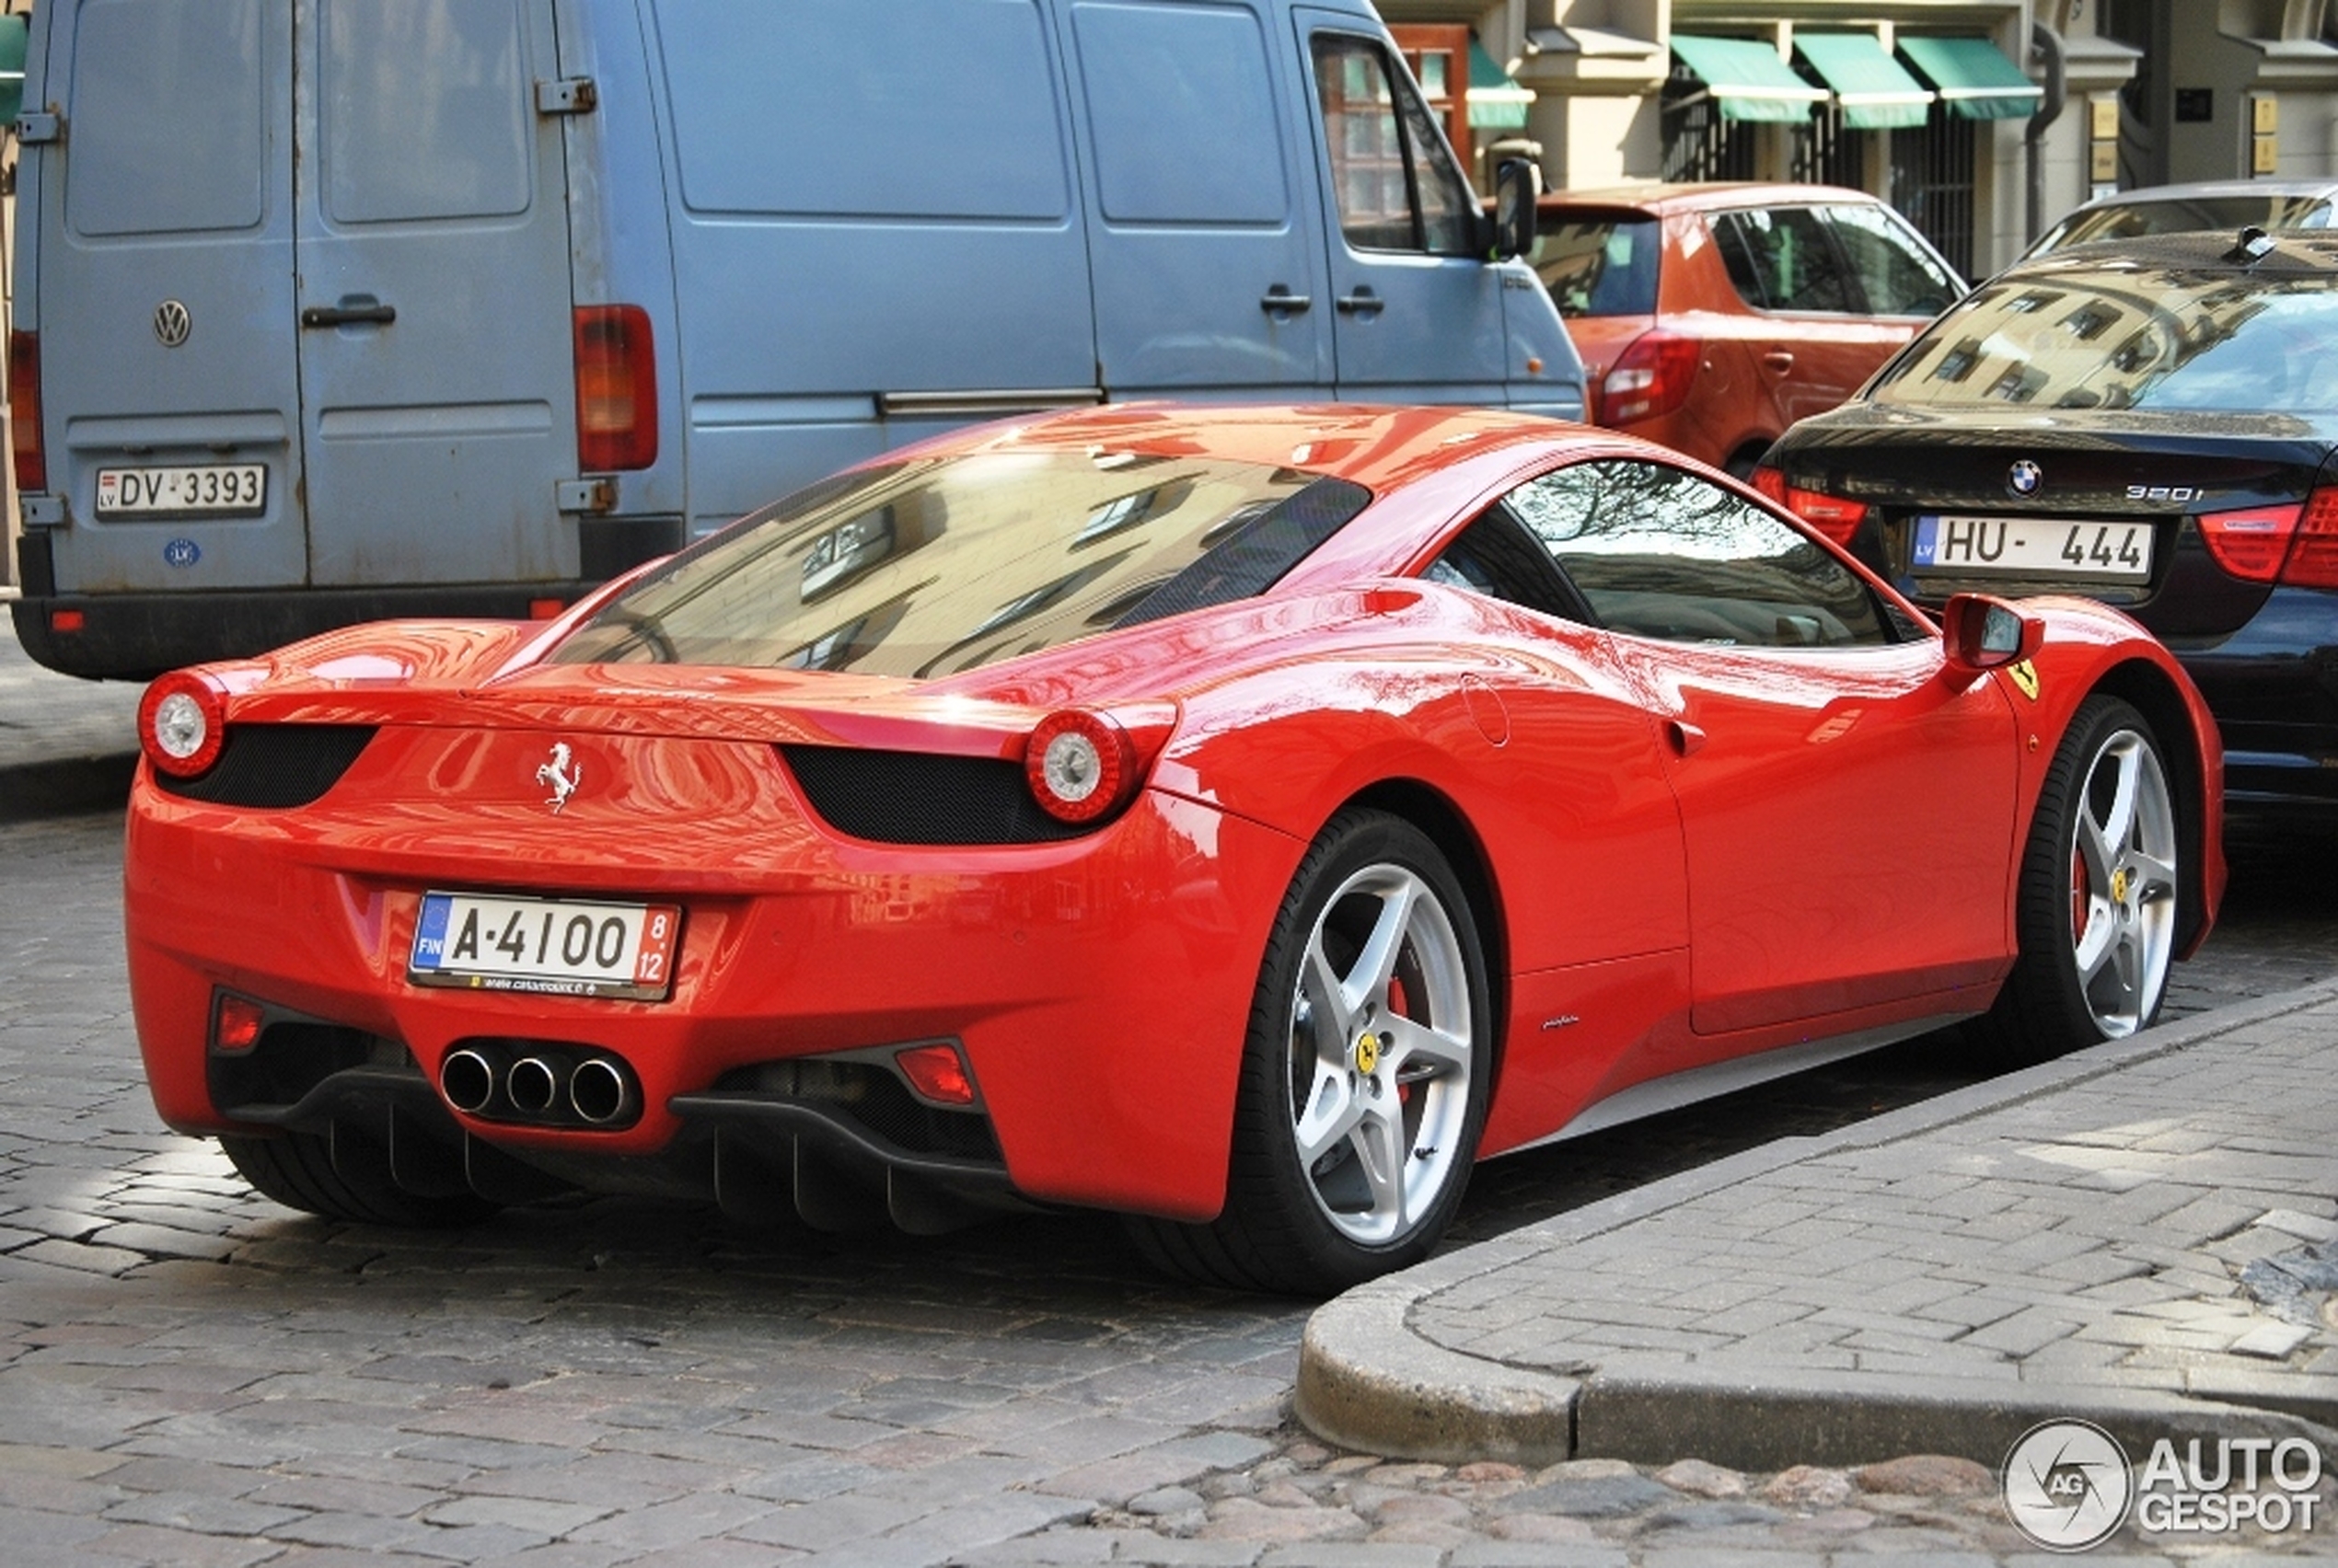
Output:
(2255, 245)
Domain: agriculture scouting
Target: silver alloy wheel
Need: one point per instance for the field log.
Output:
(1381, 1054)
(2123, 883)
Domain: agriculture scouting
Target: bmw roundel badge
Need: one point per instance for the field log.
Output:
(2025, 477)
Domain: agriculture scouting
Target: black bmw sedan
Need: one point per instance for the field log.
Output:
(2152, 423)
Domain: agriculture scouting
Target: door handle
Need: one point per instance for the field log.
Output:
(1280, 301)
(1362, 302)
(1779, 359)
(1686, 738)
(350, 313)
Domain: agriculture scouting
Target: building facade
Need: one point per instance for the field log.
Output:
(1982, 120)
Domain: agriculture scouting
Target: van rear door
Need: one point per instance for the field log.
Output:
(161, 288)
(434, 322)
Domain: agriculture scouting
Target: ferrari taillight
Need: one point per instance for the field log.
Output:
(1651, 376)
(1080, 764)
(616, 388)
(2251, 542)
(2313, 559)
(182, 723)
(24, 412)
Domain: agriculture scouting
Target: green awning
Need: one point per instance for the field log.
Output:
(1496, 101)
(14, 33)
(1747, 80)
(1875, 90)
(1974, 77)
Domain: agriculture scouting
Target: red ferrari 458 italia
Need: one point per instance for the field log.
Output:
(1243, 820)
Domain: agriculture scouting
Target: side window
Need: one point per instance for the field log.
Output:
(1497, 556)
(1780, 258)
(1395, 183)
(1659, 553)
(1898, 277)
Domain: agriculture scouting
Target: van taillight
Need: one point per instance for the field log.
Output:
(616, 388)
(24, 411)
(1651, 376)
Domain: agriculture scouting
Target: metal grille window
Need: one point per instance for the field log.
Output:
(1699, 142)
(1827, 152)
(1933, 185)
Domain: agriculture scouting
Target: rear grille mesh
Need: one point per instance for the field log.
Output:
(275, 765)
(919, 797)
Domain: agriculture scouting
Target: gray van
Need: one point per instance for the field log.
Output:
(337, 309)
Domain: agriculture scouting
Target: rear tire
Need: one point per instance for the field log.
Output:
(1365, 1075)
(296, 1170)
(2096, 916)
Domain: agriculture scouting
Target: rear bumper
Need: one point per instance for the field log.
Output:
(138, 635)
(1099, 988)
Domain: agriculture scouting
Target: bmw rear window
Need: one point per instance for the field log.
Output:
(1599, 265)
(2122, 334)
(931, 566)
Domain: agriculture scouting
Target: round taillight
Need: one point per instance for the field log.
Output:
(182, 723)
(1080, 765)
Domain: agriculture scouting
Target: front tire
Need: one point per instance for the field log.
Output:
(2097, 907)
(298, 1170)
(1365, 1074)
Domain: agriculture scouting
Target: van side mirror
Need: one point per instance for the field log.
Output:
(1982, 633)
(1514, 190)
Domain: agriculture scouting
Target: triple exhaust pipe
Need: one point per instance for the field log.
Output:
(547, 1087)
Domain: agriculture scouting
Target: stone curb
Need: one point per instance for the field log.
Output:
(1367, 1380)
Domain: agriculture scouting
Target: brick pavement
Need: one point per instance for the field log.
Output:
(65, 744)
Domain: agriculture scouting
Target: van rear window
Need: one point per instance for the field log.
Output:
(167, 98)
(931, 566)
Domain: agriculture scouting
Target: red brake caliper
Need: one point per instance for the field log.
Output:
(1402, 1008)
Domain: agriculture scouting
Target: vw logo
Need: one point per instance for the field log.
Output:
(172, 323)
(2024, 477)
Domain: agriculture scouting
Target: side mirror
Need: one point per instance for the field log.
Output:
(1983, 633)
(1515, 183)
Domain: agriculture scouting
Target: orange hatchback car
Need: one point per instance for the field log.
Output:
(1710, 317)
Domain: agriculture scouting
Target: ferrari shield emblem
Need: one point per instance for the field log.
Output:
(2025, 676)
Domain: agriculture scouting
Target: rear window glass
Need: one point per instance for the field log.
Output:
(2193, 213)
(167, 116)
(2120, 335)
(928, 567)
(1599, 266)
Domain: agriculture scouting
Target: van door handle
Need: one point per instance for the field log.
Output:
(372, 312)
(1280, 301)
(1364, 303)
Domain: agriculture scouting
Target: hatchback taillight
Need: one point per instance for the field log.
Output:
(1651, 376)
(24, 411)
(616, 388)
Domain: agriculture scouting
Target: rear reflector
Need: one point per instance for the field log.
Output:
(2250, 543)
(544, 610)
(67, 620)
(937, 1074)
(616, 388)
(24, 412)
(2313, 559)
(238, 1026)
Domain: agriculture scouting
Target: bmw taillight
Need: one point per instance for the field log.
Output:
(182, 723)
(616, 388)
(1081, 765)
(1651, 376)
(24, 411)
(2313, 559)
(1837, 517)
(2251, 542)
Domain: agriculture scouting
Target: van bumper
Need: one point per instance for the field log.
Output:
(138, 635)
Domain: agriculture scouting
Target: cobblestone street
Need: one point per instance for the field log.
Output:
(190, 1374)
